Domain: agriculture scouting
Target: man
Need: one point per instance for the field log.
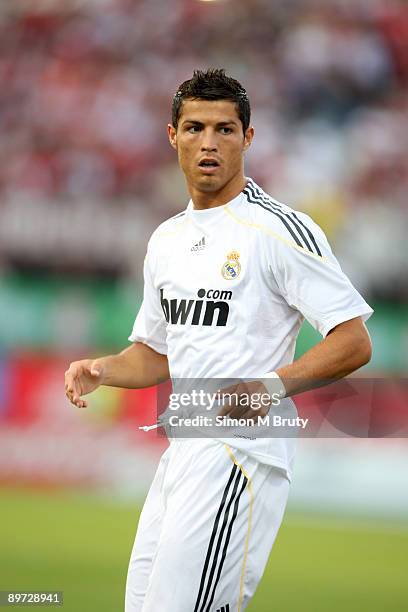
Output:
(228, 283)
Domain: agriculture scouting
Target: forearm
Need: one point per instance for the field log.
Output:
(345, 349)
(135, 367)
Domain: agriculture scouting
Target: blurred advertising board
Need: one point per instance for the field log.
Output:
(63, 316)
(47, 442)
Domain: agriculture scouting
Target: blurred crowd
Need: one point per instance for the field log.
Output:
(86, 172)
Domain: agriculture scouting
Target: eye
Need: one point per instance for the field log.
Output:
(193, 129)
(225, 130)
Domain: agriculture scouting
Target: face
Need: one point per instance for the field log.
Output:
(210, 144)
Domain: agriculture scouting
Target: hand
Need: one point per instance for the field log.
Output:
(83, 377)
(252, 400)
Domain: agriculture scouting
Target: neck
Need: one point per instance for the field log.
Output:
(210, 199)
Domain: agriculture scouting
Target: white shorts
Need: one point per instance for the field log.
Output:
(206, 530)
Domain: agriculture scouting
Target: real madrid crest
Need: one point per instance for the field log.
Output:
(232, 267)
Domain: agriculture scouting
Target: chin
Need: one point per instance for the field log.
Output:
(208, 184)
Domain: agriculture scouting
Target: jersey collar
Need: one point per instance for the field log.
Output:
(209, 212)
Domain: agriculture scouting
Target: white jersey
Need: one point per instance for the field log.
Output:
(227, 289)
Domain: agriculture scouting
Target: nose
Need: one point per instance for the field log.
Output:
(209, 142)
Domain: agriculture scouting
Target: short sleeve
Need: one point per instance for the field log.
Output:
(312, 281)
(150, 324)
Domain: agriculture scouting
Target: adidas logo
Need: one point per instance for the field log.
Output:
(199, 246)
(225, 608)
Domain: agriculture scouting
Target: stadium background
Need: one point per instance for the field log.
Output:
(86, 174)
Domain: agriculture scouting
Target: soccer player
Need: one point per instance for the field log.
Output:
(228, 282)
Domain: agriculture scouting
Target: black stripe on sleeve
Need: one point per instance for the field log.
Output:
(294, 218)
(255, 200)
(312, 238)
(290, 216)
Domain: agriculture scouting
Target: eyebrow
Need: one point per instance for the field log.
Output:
(219, 124)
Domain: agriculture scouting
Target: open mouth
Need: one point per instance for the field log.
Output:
(208, 164)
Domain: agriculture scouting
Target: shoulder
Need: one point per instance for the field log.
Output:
(281, 222)
(168, 228)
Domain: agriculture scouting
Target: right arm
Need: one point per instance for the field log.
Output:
(135, 367)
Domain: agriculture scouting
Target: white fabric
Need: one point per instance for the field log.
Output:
(179, 522)
(275, 386)
(276, 285)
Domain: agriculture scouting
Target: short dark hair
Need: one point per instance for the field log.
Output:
(213, 84)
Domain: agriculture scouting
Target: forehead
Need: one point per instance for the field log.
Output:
(209, 111)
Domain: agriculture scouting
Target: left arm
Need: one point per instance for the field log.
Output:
(316, 287)
(346, 348)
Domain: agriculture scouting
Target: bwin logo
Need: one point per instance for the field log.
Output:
(198, 312)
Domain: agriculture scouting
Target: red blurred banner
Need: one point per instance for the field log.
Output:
(46, 441)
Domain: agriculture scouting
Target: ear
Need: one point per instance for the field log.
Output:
(172, 134)
(249, 134)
